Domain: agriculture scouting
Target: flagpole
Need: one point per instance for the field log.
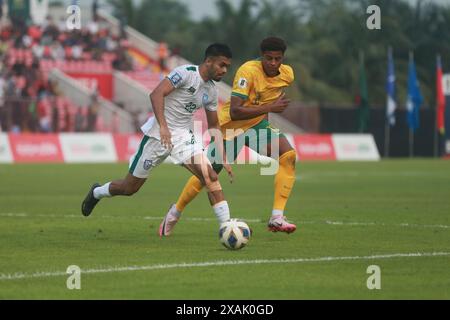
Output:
(387, 124)
(387, 138)
(411, 143)
(361, 65)
(436, 135)
(411, 132)
(386, 121)
(437, 132)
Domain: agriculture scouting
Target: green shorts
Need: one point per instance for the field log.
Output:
(256, 138)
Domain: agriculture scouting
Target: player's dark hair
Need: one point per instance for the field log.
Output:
(218, 50)
(273, 44)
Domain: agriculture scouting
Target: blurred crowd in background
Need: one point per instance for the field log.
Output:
(29, 101)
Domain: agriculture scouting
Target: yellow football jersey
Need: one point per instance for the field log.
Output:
(252, 85)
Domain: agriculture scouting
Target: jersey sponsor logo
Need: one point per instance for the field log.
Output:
(148, 164)
(242, 83)
(191, 90)
(190, 107)
(176, 78)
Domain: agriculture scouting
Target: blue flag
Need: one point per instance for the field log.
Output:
(415, 98)
(390, 90)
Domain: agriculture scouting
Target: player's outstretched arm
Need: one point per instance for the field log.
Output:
(216, 134)
(240, 112)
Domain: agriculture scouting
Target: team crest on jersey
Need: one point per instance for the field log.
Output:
(205, 99)
(176, 78)
(242, 83)
(148, 164)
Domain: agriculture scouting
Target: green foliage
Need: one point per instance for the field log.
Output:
(324, 39)
(124, 10)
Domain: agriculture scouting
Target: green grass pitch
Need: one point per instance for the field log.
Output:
(349, 216)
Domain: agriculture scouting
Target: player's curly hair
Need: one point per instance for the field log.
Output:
(273, 44)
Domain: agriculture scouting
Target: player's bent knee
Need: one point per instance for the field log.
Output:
(214, 186)
(212, 181)
(213, 176)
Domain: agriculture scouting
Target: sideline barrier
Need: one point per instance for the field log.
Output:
(35, 148)
(111, 148)
(5, 149)
(447, 149)
(88, 148)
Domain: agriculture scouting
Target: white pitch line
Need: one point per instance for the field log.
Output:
(73, 216)
(199, 219)
(196, 219)
(407, 225)
(332, 174)
(17, 276)
(14, 215)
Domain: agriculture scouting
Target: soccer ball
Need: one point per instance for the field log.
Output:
(234, 234)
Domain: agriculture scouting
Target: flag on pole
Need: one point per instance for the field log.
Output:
(415, 98)
(363, 110)
(390, 90)
(440, 97)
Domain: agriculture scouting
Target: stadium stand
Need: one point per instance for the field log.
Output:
(30, 102)
(120, 65)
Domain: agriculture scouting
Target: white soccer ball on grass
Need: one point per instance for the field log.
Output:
(234, 234)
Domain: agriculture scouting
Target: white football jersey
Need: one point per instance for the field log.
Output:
(191, 93)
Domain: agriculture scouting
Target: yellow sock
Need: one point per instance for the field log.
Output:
(284, 180)
(190, 191)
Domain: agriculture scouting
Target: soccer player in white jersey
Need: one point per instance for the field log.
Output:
(186, 89)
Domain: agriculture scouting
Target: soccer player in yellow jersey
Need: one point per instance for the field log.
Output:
(258, 89)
